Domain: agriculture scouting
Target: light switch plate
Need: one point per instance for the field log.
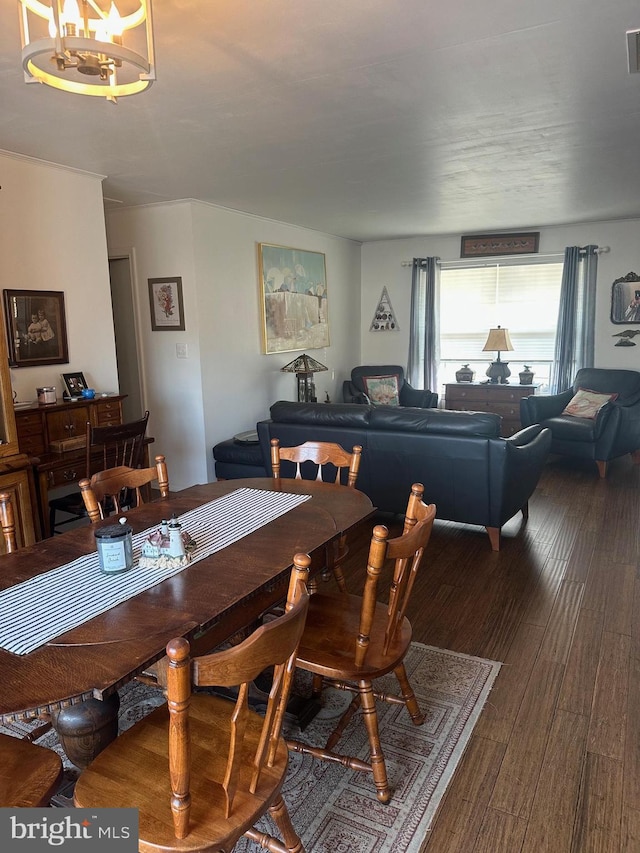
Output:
(181, 351)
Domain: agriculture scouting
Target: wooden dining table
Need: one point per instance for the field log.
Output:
(75, 677)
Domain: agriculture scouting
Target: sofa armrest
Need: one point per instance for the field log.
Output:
(622, 434)
(534, 410)
(415, 397)
(524, 436)
(516, 465)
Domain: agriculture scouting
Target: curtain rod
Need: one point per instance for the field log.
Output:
(599, 250)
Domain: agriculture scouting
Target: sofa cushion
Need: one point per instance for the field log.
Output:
(326, 414)
(572, 428)
(383, 390)
(435, 420)
(586, 403)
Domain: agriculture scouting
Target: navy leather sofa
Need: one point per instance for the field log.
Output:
(471, 473)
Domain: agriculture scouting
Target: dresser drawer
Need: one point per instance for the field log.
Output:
(30, 424)
(506, 410)
(63, 476)
(503, 400)
(466, 394)
(32, 445)
(108, 412)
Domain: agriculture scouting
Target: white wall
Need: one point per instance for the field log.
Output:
(381, 266)
(227, 383)
(53, 238)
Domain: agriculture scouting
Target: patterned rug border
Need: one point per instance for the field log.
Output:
(464, 738)
(334, 808)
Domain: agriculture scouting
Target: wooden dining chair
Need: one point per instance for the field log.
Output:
(319, 459)
(106, 447)
(29, 774)
(350, 640)
(8, 524)
(203, 768)
(114, 482)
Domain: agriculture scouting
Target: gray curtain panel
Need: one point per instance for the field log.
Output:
(576, 316)
(422, 365)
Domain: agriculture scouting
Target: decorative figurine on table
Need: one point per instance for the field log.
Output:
(167, 547)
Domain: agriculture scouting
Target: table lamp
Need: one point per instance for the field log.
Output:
(304, 367)
(499, 341)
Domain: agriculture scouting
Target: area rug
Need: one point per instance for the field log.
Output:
(335, 809)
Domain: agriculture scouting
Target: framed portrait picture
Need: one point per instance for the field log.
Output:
(165, 300)
(36, 327)
(74, 384)
(293, 296)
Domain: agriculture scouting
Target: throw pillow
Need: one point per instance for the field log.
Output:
(586, 403)
(382, 390)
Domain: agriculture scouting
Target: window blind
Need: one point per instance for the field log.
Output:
(523, 298)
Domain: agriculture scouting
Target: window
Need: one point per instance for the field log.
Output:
(522, 297)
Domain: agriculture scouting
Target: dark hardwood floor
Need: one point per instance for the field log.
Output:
(554, 761)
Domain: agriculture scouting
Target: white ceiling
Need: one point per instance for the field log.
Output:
(368, 119)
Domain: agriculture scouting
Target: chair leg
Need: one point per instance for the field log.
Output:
(335, 554)
(282, 820)
(494, 537)
(378, 766)
(635, 456)
(409, 696)
(344, 721)
(342, 549)
(602, 468)
(316, 686)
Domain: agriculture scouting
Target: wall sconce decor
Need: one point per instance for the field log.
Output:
(499, 341)
(304, 367)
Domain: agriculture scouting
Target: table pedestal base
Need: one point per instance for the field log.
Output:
(85, 729)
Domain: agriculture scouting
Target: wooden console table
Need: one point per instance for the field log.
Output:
(44, 429)
(503, 400)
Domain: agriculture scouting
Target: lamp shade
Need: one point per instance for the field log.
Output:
(304, 364)
(498, 341)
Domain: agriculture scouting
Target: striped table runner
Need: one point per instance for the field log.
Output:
(43, 607)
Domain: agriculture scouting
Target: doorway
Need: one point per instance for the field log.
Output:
(124, 326)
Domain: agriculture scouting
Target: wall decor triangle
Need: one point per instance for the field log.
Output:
(384, 319)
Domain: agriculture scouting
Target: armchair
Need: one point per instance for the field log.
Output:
(356, 391)
(613, 432)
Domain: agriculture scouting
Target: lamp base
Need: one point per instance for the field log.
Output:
(498, 372)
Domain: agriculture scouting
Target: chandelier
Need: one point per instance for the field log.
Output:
(78, 47)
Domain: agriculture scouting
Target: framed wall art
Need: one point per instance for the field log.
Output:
(486, 245)
(165, 300)
(293, 296)
(36, 327)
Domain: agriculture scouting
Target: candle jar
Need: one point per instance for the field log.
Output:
(46, 395)
(115, 548)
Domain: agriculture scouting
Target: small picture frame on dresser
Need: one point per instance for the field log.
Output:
(74, 385)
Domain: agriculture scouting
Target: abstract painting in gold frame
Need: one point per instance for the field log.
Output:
(293, 298)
